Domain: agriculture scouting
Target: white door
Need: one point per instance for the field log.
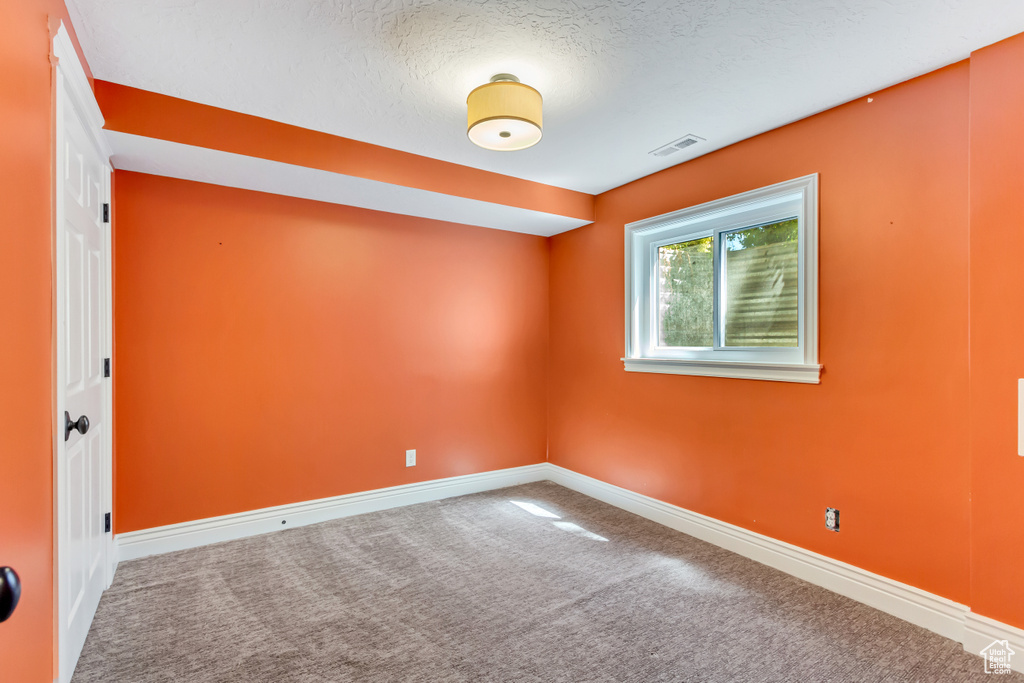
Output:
(83, 439)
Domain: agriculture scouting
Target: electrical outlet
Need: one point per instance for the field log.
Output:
(410, 458)
(1020, 417)
(832, 519)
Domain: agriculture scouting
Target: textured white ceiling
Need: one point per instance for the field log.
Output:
(619, 77)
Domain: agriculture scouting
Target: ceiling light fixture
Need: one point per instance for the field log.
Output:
(504, 115)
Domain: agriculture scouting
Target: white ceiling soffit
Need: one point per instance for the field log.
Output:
(619, 77)
(175, 160)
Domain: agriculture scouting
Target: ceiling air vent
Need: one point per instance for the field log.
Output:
(675, 146)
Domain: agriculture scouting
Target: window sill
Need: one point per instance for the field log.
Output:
(772, 372)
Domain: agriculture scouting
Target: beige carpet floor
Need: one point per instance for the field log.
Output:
(527, 584)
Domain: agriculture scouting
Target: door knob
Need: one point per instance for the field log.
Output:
(82, 425)
(10, 592)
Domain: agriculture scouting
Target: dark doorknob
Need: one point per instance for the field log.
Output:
(82, 425)
(10, 592)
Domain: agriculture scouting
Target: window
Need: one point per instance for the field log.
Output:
(728, 288)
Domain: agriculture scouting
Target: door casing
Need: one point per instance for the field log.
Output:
(71, 89)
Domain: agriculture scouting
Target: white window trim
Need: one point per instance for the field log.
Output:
(774, 364)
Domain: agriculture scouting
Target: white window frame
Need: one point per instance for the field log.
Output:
(794, 198)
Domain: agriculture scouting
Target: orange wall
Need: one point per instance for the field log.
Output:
(246, 309)
(295, 360)
(997, 329)
(26, 460)
(885, 433)
(273, 350)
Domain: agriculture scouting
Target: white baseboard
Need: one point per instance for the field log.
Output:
(980, 632)
(937, 614)
(165, 539)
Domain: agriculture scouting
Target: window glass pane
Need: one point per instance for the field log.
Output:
(761, 286)
(686, 293)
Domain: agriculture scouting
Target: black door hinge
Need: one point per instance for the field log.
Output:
(106, 367)
(106, 213)
(106, 523)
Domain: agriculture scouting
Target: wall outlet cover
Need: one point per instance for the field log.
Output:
(410, 458)
(832, 519)
(1020, 417)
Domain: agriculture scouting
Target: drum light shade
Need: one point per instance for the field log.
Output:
(504, 115)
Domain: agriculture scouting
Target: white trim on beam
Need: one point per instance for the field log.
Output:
(164, 539)
(201, 164)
